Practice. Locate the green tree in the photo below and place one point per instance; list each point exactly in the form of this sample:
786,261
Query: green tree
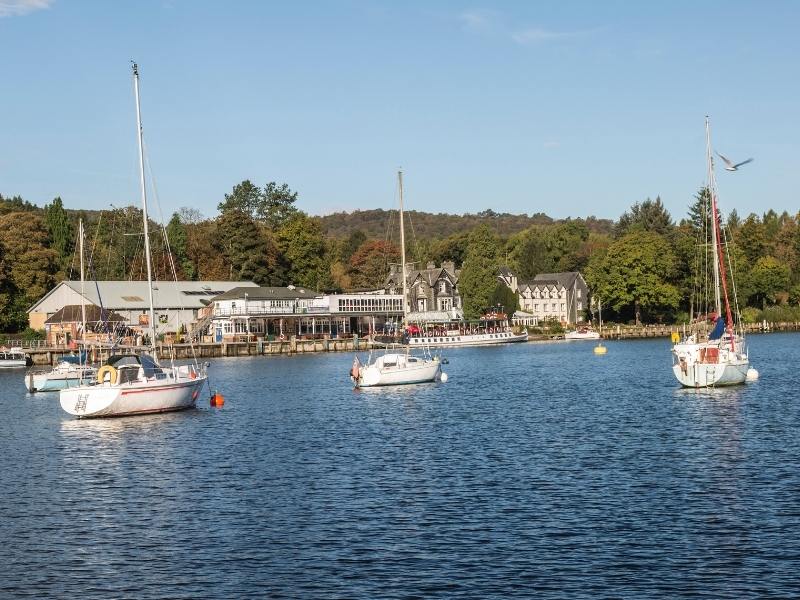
478,278
768,277
29,265
302,245
504,296
245,198
61,232
178,241
650,215
634,276
752,238
277,205
250,253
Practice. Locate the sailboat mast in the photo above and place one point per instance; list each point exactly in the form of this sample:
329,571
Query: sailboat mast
83,278
144,208
403,247
714,236
719,264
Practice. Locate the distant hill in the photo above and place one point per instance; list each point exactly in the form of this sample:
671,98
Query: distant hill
436,226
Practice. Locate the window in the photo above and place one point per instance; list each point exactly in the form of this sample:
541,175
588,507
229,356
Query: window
545,306
580,305
563,306
442,287
536,308
579,292
555,307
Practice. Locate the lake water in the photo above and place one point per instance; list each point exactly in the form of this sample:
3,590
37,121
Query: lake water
537,470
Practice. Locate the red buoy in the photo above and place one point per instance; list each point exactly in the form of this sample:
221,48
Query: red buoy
217,399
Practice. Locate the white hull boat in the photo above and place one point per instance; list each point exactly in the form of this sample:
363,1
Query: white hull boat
475,339
719,357
709,364
395,368
13,358
134,385
582,334
63,375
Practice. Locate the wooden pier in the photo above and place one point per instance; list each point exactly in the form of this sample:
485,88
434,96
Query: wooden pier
44,355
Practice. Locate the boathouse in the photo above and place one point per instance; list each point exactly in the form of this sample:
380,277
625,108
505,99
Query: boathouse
177,303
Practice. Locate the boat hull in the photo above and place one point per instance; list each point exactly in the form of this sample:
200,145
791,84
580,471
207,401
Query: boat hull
477,339
139,398
43,382
709,365
400,374
578,335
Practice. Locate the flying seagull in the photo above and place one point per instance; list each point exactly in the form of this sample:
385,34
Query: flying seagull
733,167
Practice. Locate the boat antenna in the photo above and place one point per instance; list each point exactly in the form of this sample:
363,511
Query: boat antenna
144,207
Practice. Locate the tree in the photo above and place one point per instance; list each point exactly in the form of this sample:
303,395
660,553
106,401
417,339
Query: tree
634,275
752,238
504,296
369,265
176,234
478,277
302,245
277,205
648,216
768,277
61,232
245,198
249,253
28,264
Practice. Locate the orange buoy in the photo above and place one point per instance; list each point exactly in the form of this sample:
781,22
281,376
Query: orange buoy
217,399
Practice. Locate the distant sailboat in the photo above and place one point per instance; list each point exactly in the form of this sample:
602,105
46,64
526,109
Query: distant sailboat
69,370
136,384
718,358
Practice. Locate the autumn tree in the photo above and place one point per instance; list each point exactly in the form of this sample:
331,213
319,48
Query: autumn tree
369,265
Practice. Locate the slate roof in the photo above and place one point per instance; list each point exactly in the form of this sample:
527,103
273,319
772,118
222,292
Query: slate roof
72,314
132,295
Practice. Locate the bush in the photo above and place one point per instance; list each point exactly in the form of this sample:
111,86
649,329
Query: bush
30,335
751,315
780,314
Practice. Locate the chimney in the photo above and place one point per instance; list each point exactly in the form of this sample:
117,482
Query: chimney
449,266
431,265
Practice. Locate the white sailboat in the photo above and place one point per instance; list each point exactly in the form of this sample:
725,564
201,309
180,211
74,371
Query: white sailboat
69,370
720,357
137,384
398,366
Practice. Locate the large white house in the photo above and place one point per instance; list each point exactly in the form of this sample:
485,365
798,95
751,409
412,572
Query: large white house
176,302
560,297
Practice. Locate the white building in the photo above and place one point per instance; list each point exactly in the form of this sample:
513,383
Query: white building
562,297
176,302
272,312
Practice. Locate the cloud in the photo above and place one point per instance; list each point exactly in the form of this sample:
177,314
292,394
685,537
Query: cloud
478,20
538,35
18,8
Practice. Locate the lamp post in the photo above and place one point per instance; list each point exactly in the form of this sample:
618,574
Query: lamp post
247,316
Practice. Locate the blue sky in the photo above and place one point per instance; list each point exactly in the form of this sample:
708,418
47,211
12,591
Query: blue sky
567,108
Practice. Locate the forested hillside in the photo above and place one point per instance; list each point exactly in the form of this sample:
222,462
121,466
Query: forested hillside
641,265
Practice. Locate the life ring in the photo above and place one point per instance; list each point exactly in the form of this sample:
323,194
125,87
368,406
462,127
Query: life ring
282,337
112,373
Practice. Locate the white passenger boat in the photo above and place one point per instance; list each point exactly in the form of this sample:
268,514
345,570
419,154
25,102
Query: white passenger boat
718,357
12,358
136,384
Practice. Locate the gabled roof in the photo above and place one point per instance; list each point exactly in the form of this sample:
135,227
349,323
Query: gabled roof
132,295
566,279
94,314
